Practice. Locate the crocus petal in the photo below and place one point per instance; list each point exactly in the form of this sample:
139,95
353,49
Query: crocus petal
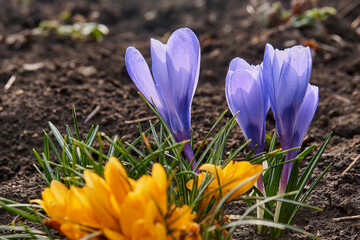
306,114
113,235
239,63
59,190
183,64
115,175
159,174
139,73
159,70
270,80
244,94
98,193
132,210
211,168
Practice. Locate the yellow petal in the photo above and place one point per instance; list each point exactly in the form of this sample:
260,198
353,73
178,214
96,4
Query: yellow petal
78,209
95,181
159,174
160,231
132,209
143,230
150,212
37,201
215,171
113,235
75,231
99,194
190,184
182,224
208,167
54,199
242,172
59,191
115,176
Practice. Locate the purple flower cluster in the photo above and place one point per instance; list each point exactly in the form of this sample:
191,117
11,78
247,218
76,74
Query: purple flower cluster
281,81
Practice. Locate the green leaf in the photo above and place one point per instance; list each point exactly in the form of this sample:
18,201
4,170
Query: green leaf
77,132
19,212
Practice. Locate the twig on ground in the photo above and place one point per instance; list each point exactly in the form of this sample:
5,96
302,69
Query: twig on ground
348,218
234,217
140,120
92,114
341,98
350,6
350,166
356,22
10,83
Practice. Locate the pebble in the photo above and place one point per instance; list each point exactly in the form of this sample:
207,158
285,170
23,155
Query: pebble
87,71
33,66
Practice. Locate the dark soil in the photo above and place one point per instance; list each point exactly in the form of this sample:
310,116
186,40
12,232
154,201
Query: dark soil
225,31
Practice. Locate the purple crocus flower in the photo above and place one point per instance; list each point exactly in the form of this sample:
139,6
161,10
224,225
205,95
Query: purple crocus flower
246,96
175,68
293,100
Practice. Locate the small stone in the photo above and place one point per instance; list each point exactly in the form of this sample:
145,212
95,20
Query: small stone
35,135
289,43
215,53
19,92
18,40
33,66
87,71
151,15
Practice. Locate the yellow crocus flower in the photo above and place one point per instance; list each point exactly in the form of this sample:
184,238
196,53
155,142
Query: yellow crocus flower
119,207
231,176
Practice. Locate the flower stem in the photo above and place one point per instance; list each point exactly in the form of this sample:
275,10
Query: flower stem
190,156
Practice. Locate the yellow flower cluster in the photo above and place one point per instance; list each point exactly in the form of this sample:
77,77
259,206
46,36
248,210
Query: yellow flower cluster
235,174
118,207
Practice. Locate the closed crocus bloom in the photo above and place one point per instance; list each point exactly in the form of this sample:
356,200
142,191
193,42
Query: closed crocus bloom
171,87
293,100
246,97
286,76
232,175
